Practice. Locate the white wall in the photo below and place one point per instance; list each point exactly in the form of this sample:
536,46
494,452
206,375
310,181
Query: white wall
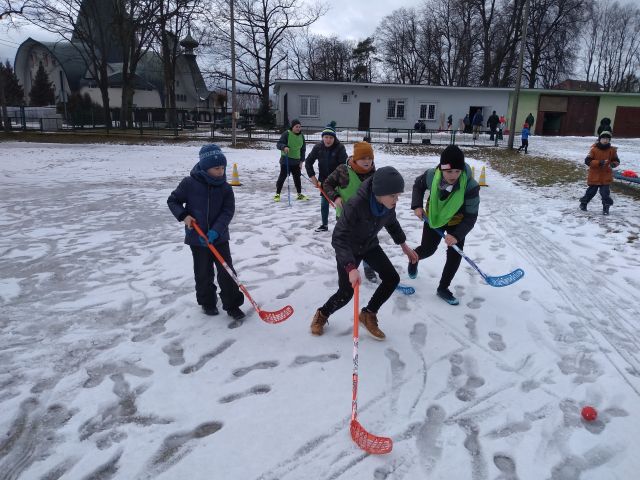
448,100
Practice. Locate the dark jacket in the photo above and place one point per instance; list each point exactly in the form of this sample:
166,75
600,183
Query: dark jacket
493,121
212,206
328,159
356,231
283,142
601,175
477,119
465,218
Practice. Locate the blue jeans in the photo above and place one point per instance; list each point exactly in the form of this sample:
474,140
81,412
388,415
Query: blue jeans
324,210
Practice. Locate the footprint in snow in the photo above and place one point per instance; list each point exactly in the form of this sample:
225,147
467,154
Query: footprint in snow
256,390
304,359
525,295
476,303
241,372
496,344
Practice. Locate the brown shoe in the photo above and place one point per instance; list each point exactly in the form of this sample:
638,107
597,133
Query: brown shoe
318,322
370,321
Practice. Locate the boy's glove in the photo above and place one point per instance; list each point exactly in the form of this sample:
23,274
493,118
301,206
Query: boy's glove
212,236
602,162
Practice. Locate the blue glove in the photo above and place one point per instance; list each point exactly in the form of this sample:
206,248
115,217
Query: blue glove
212,235
602,162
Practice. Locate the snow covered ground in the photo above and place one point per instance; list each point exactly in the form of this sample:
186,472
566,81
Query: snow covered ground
110,371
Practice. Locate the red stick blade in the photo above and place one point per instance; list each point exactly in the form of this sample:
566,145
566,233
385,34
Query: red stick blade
277,316
368,442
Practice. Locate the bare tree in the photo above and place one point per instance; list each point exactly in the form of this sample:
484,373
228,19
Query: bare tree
134,23
261,30
174,18
10,8
87,25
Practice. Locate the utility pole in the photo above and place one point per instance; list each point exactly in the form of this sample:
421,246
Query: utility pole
516,95
233,77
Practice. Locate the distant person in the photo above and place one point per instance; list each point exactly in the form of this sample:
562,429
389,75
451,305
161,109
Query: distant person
601,159
423,126
524,138
467,123
205,197
493,123
329,153
416,126
530,121
449,122
292,146
605,124
476,122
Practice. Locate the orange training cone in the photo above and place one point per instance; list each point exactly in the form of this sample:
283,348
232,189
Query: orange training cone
483,179
235,178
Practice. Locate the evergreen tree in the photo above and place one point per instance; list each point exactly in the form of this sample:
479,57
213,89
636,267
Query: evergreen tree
363,58
13,91
42,93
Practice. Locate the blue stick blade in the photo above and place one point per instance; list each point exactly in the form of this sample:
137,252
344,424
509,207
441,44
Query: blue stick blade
405,289
507,279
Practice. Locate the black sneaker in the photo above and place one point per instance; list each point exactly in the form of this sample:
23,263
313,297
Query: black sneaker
236,313
605,209
322,228
210,310
370,274
447,296
583,207
412,269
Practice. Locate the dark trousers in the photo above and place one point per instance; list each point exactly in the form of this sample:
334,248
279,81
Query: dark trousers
429,245
203,271
493,132
324,210
605,193
389,279
295,172
525,145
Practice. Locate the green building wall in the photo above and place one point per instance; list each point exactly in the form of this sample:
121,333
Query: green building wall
528,103
609,103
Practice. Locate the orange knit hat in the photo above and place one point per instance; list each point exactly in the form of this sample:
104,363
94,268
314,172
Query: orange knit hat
362,150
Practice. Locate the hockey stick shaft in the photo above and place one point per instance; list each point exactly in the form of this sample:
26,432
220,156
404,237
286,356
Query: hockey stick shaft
324,194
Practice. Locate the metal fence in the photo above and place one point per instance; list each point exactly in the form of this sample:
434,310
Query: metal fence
152,122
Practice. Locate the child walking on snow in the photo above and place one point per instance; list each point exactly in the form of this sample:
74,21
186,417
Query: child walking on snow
452,206
601,159
355,238
524,136
293,148
207,198
345,180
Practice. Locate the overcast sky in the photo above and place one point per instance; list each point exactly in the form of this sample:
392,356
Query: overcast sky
352,20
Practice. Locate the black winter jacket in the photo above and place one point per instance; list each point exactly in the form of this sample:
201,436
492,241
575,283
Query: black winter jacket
328,159
356,231
212,206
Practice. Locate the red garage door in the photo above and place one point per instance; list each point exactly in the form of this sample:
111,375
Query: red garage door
627,122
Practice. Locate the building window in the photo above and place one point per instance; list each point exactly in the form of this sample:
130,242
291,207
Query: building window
427,111
308,106
345,98
395,109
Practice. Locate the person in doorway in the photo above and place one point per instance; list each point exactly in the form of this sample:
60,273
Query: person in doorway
449,122
329,153
476,122
205,197
524,138
493,123
601,159
344,182
355,238
452,206
467,123
530,121
292,147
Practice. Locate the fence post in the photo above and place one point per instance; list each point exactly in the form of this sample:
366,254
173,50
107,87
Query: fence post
453,137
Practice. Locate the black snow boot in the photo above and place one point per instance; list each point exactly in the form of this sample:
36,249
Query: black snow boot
605,209
583,206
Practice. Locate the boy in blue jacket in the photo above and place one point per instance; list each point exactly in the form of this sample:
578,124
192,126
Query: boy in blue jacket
207,198
524,136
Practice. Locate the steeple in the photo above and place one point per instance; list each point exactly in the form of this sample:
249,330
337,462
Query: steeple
189,43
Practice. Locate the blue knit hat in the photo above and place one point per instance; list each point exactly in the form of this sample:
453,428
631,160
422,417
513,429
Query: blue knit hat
330,129
211,156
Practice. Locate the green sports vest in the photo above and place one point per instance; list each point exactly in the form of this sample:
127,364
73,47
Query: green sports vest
442,211
349,191
294,142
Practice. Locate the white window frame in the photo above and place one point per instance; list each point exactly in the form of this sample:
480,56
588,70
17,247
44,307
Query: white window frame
306,106
345,94
427,117
396,103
